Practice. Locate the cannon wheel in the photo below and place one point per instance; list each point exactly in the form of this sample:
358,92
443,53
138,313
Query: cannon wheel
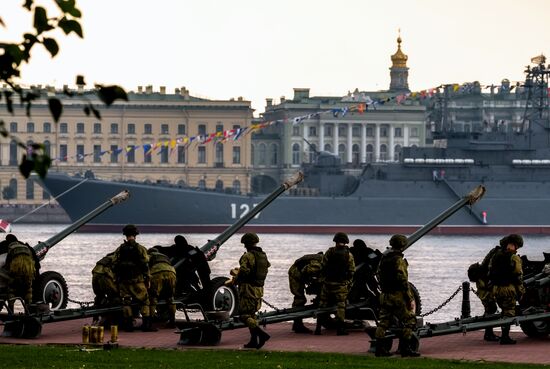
221,297
536,328
52,288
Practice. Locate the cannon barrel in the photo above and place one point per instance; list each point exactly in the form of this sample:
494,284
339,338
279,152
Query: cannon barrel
471,198
43,247
211,247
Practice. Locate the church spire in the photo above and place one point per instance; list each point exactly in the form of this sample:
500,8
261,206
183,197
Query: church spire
399,73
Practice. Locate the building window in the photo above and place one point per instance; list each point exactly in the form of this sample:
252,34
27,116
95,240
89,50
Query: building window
47,127
328,148
114,128
342,152
181,129
30,127
355,154
219,128
342,129
296,154
311,155
383,131
370,132
80,128
13,152
164,129
219,185
201,157
63,128
164,154
202,129
313,131
329,130
114,153
274,154
383,152
97,153
80,153
13,127
63,152
237,186
414,132
13,187
148,129
296,131
370,156
131,154
236,155
397,153
202,184
97,128
219,154
236,126
147,156
30,189
262,153
356,131
181,154
131,129
398,132
48,148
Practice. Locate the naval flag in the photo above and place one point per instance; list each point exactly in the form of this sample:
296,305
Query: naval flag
5,226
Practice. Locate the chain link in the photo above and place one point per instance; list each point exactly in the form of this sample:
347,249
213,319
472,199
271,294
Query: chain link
270,305
81,303
443,303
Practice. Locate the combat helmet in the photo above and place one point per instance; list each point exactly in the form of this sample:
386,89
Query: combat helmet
341,237
516,239
130,230
250,239
398,241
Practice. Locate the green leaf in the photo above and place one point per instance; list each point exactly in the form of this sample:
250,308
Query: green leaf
69,7
80,81
67,92
108,94
56,108
51,45
28,4
9,101
69,25
2,23
26,166
41,20
42,163
96,112
87,111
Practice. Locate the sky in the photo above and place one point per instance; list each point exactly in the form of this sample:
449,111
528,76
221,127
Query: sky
222,49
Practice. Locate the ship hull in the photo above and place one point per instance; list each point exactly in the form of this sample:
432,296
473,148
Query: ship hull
376,207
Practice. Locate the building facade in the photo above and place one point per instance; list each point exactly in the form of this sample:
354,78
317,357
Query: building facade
145,139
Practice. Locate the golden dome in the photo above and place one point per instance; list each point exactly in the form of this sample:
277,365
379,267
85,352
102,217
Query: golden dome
399,59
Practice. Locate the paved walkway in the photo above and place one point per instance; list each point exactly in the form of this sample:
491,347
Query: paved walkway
468,347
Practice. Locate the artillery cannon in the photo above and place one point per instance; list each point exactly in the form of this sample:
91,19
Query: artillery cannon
50,287
213,294
537,296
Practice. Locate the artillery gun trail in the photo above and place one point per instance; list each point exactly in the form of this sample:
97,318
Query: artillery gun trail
50,287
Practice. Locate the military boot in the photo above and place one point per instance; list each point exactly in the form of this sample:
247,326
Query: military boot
299,327
381,350
253,343
490,336
147,325
406,349
506,339
263,337
341,329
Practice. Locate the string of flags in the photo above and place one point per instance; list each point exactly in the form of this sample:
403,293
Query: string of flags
363,104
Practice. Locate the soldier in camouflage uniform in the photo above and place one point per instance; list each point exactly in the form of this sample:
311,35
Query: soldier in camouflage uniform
337,269
22,266
163,284
506,277
131,267
250,278
305,271
396,299
104,282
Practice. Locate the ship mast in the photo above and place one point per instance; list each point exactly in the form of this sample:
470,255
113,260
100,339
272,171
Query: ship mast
536,105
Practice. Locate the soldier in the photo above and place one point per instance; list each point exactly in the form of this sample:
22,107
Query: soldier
163,284
104,282
479,273
23,268
366,265
506,276
250,278
131,267
337,269
396,299
305,271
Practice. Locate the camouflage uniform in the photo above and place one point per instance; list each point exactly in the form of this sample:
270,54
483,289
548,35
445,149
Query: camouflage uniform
21,268
305,270
396,299
163,283
132,272
103,282
337,269
506,276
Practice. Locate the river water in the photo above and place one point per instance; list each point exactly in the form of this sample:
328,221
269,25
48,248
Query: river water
437,264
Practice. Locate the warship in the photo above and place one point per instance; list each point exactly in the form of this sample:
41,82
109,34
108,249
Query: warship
512,161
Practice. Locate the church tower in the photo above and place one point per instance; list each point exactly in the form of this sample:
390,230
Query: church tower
399,73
